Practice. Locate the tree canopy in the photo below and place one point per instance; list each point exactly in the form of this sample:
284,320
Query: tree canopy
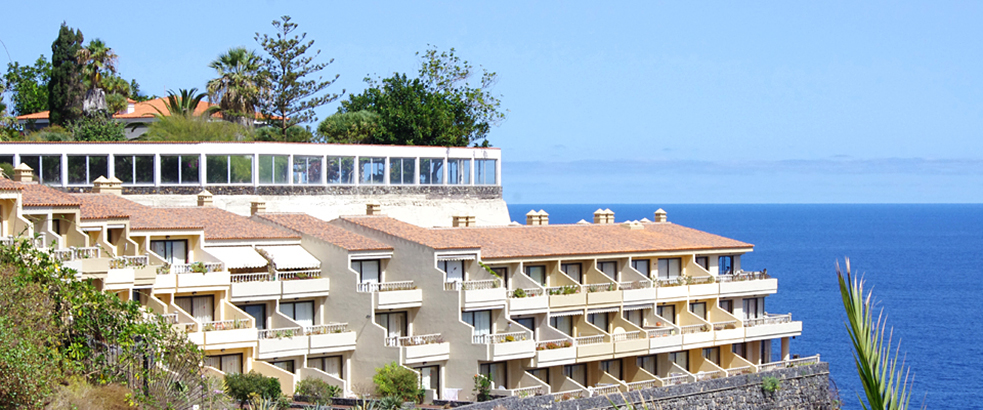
65,89
238,85
28,85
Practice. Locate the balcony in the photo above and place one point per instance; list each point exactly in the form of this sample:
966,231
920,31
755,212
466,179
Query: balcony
283,342
771,327
781,364
593,347
728,331
507,346
330,338
479,294
603,294
569,296
123,272
630,343
423,348
664,339
702,287
528,301
747,283
305,283
231,333
637,292
696,335
555,352
393,295
279,284
670,290
193,277
85,260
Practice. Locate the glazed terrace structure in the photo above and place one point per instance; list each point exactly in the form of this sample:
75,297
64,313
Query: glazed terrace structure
568,310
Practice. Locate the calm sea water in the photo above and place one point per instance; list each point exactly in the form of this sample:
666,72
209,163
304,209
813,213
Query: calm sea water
924,263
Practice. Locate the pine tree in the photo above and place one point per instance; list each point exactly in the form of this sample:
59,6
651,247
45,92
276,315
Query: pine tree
65,89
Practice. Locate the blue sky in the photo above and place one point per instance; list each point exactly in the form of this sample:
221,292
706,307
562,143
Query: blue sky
646,102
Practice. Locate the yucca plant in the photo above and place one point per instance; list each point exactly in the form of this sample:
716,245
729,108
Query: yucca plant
885,380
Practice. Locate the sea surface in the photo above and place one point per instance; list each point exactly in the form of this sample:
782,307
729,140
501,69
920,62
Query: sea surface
924,264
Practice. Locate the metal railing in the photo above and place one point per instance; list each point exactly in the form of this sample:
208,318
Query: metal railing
603,390
589,340
385,286
713,374
287,332
252,277
601,287
528,293
325,329
789,363
297,274
621,337
693,329
197,267
122,262
675,378
227,325
499,338
724,325
644,384
420,340
473,285
769,319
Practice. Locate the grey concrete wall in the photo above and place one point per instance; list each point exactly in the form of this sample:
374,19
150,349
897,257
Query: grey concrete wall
802,387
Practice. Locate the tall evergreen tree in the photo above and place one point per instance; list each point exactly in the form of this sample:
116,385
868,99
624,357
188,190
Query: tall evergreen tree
65,89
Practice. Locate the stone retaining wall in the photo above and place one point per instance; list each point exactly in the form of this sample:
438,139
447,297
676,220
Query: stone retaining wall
802,387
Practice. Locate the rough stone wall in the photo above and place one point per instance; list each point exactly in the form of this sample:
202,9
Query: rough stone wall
802,387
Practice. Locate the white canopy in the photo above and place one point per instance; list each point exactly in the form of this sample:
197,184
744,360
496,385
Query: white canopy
567,313
238,257
636,307
291,257
602,310
468,257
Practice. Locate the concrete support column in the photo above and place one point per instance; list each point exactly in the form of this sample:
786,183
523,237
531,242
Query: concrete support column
785,348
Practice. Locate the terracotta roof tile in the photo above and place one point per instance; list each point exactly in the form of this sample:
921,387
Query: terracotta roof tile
217,223
324,231
108,206
145,109
42,195
8,185
554,240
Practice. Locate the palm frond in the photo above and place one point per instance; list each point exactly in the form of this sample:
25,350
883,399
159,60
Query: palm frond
883,373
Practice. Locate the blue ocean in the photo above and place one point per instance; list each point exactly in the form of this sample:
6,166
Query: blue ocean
923,262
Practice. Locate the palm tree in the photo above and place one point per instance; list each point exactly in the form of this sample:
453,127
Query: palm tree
237,87
885,383
184,104
96,60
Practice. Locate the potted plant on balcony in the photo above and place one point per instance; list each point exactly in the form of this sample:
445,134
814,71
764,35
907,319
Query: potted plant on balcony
519,293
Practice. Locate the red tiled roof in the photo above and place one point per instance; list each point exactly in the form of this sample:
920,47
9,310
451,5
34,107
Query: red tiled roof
8,185
145,109
318,228
108,206
554,240
43,195
217,223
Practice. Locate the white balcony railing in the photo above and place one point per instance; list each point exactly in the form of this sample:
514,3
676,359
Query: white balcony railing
569,394
385,286
621,337
395,341
473,285
675,378
281,333
527,391
634,285
603,390
724,325
297,274
710,375
197,267
526,293
740,370
252,277
589,340
789,363
693,329
170,318
326,329
601,287
227,325
768,319
644,384
74,253
741,276
563,290
659,332
40,240
554,344
122,262
499,338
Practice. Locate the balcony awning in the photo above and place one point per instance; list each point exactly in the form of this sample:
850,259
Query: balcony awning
469,257
636,307
238,257
567,313
602,310
291,257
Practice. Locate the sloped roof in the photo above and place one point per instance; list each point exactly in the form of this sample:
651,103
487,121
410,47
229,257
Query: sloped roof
309,225
43,195
217,223
554,240
8,185
107,206
145,109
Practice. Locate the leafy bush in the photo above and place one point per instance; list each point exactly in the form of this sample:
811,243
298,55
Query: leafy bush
317,391
771,384
97,127
241,387
396,380
482,387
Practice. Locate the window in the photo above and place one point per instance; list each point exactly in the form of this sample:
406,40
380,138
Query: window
258,312
699,309
432,171
574,271
502,273
47,168
340,170
458,171
739,349
172,251
300,312
634,316
754,308
274,169
667,312
612,367
480,320
394,323
454,270
725,265
642,266
609,268
287,365
680,358
179,169
601,320
669,268
497,372
727,304
331,365
484,172
537,273
229,169
648,363
712,354
307,170
429,377
134,169
527,322
227,363
703,261
563,324
401,170
577,372
83,169
7,159
202,308
368,271
371,170
541,374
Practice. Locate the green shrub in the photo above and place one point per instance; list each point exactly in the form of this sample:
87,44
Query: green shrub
396,380
242,386
771,384
317,391
482,387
